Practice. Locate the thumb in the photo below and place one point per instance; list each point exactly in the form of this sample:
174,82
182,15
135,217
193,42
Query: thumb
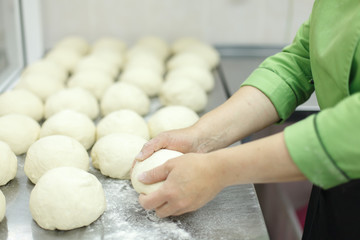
154,175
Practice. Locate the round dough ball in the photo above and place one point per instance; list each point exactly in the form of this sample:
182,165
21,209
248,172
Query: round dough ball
94,62
207,52
74,43
183,91
146,79
94,81
110,57
156,159
21,101
156,43
125,96
181,44
114,154
65,57
109,44
49,68
2,206
123,121
170,118
77,99
8,163
66,198
200,75
70,123
139,50
52,152
185,59
41,85
146,60
19,132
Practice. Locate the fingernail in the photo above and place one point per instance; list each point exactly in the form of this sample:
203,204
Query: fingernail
139,156
142,177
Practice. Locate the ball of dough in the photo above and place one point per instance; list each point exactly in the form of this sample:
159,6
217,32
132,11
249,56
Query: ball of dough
170,118
146,60
156,159
21,101
42,86
146,79
207,52
125,96
66,198
49,68
65,57
94,62
186,59
77,99
52,152
201,76
2,206
74,43
111,57
158,44
181,44
94,81
19,132
123,121
70,123
183,91
109,44
8,163
140,50
114,154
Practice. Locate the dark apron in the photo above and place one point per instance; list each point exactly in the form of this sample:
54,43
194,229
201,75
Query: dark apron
334,213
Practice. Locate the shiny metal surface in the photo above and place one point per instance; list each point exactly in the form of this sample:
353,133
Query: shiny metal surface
233,214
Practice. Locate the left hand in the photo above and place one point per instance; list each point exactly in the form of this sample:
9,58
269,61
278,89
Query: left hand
191,181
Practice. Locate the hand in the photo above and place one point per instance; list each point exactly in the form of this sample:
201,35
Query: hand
191,181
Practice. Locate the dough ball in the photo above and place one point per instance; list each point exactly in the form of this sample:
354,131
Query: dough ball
114,154
52,152
65,57
181,44
123,121
8,163
183,91
109,44
156,159
70,123
146,79
156,43
207,52
125,96
139,50
94,81
170,118
48,68
21,101
110,57
2,206
186,59
66,198
19,132
94,62
74,43
41,85
77,99
146,60
201,76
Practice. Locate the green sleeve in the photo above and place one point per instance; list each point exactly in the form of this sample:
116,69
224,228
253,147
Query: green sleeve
326,146
285,78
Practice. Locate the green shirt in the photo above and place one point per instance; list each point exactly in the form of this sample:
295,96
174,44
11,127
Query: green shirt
325,57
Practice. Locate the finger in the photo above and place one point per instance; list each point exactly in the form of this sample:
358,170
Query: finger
152,201
165,210
151,146
155,175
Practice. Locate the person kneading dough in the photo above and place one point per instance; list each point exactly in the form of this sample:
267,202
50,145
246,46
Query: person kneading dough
66,198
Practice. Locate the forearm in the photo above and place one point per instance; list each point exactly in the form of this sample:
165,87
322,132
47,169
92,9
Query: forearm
261,161
246,112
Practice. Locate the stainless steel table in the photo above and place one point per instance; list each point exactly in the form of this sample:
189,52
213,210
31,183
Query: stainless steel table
234,214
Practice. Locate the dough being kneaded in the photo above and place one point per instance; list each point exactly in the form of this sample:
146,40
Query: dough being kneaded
66,198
